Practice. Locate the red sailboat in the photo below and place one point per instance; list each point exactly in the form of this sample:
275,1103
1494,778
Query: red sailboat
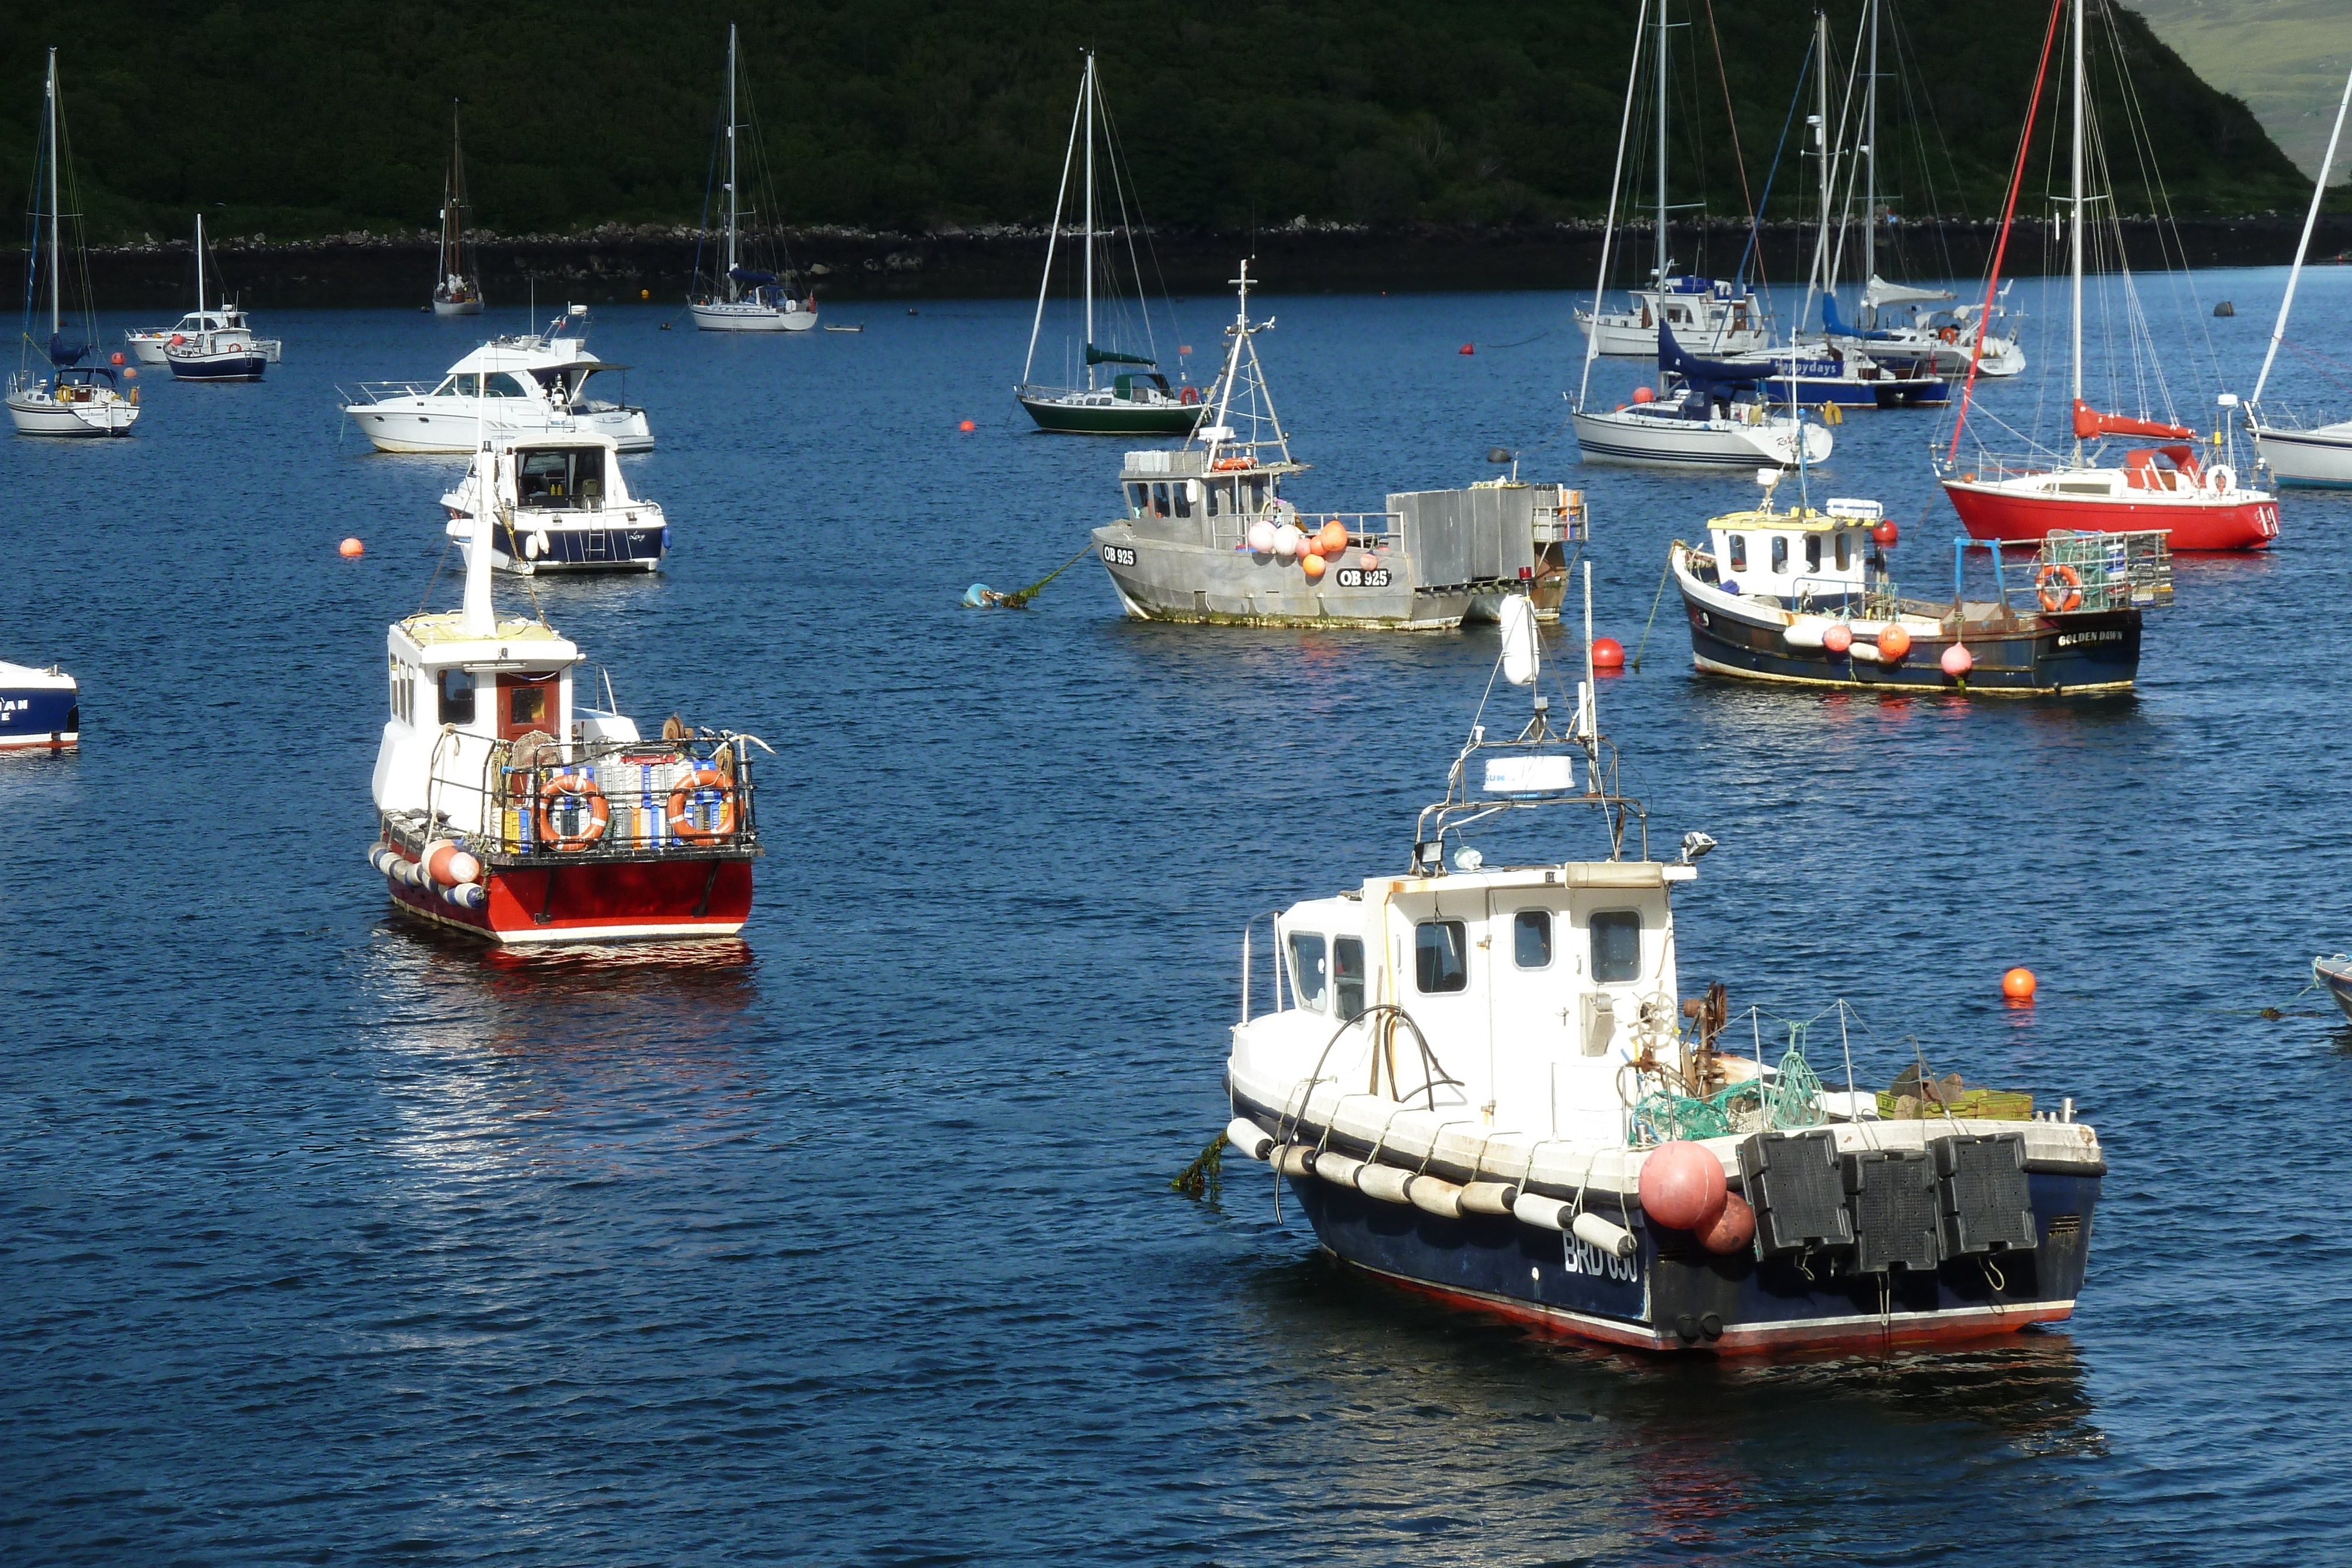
2200,503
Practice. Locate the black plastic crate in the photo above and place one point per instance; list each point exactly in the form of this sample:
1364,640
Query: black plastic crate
1983,1202
1893,1196
1792,1182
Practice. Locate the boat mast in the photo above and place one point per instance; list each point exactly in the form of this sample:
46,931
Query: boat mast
1870,163
453,216
1090,220
200,261
731,162
1662,258
2078,164
1821,262
2319,189
1061,198
1616,181
56,204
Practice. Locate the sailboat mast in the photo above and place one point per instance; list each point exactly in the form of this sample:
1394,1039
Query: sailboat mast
57,205
2318,191
1662,258
1054,235
1616,183
1870,163
2077,237
731,262
1090,221
200,261
1821,263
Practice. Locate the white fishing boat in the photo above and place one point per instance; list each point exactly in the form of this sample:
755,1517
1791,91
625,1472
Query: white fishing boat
532,384
458,291
745,299
2297,450
52,392
558,504
1712,315
1133,396
1481,1080
230,351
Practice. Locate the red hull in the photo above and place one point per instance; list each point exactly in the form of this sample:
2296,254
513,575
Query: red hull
2009,518
600,901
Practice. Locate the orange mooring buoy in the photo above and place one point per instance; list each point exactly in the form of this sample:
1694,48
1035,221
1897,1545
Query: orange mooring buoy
1608,653
351,548
967,427
2018,985
1468,349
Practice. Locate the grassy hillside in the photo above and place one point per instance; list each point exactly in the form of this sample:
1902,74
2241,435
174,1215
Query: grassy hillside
296,119
2286,58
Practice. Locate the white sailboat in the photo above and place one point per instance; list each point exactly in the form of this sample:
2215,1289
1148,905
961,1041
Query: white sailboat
1708,315
57,394
459,290
1695,426
745,299
2296,453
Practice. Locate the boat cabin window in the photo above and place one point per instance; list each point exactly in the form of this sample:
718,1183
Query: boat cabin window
506,385
1136,495
1845,550
1739,543
1616,947
1217,500
403,694
1781,554
456,697
1346,977
1183,498
1531,939
1441,961
1160,499
560,477
1306,978
451,388
1813,552
1256,489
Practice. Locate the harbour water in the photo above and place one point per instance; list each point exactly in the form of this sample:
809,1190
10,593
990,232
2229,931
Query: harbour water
324,1239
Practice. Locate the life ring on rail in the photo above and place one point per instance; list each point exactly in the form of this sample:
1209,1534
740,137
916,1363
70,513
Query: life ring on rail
572,787
2221,479
703,778
1949,335
2057,599
1190,395
1231,465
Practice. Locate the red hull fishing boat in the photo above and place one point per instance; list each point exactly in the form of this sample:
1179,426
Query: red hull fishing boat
2198,502
511,811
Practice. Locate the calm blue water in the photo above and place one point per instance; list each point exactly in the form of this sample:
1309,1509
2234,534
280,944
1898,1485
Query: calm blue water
325,1241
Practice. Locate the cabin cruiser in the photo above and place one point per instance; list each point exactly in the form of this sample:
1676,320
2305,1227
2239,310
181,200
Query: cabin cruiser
1807,596
39,709
559,502
151,348
1207,536
526,385
1481,1079
512,807
208,344
1941,342
1710,313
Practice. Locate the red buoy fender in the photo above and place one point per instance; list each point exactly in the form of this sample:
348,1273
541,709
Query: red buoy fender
1682,1186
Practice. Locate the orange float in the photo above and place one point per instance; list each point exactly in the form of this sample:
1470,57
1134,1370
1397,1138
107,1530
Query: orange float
1894,641
1312,565
2018,985
1682,1186
1334,537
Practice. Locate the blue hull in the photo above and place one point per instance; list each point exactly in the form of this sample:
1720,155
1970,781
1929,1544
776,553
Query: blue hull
244,368
39,718
1672,1295
587,549
1888,392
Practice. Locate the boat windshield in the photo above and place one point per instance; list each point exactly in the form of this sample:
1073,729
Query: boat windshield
550,478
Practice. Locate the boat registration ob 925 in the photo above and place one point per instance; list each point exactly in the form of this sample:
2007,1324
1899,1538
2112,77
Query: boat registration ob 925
511,811
1479,1083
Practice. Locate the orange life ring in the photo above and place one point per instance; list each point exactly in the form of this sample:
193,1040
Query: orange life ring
681,804
1229,465
1190,394
571,787
2057,600
1949,335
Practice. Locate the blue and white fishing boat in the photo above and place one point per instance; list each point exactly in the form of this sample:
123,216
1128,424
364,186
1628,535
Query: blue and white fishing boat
1481,1082
222,346
52,392
39,709
558,503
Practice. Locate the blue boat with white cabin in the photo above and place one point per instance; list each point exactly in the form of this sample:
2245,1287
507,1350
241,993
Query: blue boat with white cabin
39,709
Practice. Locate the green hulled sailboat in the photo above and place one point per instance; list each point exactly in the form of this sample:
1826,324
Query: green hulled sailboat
1124,393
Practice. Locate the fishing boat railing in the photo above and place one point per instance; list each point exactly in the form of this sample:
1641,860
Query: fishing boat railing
1366,530
606,799
2101,571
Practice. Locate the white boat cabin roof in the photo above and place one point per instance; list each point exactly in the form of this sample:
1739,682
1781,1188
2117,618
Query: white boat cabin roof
1805,551
440,641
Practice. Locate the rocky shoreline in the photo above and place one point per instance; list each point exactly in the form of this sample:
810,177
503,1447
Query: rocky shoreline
617,263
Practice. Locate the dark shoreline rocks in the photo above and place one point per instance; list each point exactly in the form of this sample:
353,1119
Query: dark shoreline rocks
617,263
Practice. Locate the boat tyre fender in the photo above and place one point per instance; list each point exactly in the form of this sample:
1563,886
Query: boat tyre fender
681,803
2059,587
2221,479
574,786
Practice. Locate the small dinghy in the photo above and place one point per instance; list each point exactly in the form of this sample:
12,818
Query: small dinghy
512,810
559,502
39,709
2333,976
1481,1081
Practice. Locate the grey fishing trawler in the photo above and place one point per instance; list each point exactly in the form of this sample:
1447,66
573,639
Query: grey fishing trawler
1208,537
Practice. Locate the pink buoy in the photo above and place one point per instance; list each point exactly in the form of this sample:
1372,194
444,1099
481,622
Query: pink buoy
464,868
1733,1228
1838,638
1682,1186
438,856
1958,660
1366,560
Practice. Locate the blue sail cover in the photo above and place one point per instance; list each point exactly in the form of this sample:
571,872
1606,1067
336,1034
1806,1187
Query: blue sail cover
1836,328
64,350
748,274
1718,377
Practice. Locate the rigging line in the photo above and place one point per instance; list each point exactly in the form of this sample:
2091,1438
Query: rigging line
1731,116
1609,229
1773,174
2009,213
1053,236
2167,225
2319,193
1126,227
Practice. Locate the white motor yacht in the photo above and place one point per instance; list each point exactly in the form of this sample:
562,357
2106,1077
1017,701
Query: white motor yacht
533,384
559,502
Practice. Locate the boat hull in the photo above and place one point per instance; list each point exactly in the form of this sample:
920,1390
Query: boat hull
2335,975
390,427
2320,458
2091,650
596,901
43,416
1995,512
750,319
40,714
1671,1292
1114,417
575,549
1190,584
227,366
1719,444
147,347
457,307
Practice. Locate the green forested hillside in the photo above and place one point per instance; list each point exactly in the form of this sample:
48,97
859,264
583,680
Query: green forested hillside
297,119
